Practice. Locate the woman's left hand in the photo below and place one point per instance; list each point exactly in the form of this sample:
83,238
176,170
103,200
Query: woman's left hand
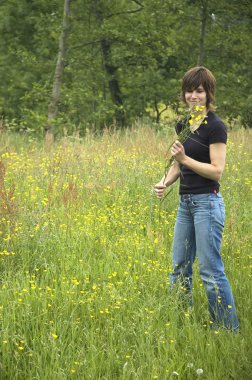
178,152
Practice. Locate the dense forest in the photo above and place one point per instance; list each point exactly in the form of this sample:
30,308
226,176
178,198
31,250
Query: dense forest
77,64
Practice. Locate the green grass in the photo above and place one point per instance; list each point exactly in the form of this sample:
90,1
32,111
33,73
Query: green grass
85,259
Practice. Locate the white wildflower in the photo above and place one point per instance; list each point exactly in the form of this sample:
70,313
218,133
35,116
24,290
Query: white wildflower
189,365
175,373
199,371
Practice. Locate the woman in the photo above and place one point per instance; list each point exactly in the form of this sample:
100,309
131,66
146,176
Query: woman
199,163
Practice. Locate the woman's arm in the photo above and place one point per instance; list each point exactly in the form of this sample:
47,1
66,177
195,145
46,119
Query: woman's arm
171,177
213,170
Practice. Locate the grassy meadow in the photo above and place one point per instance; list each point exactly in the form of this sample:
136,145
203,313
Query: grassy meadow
85,258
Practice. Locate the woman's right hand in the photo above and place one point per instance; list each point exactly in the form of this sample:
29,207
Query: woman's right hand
159,189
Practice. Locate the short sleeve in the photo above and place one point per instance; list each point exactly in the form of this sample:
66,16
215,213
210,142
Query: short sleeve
218,133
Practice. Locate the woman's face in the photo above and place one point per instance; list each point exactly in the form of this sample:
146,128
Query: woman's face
197,97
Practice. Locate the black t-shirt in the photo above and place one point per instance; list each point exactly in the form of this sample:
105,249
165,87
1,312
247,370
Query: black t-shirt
197,147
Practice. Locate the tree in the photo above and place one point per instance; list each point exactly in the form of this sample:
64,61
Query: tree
203,20
125,60
53,106
110,68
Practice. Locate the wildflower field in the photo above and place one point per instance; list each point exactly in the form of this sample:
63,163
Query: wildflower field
85,258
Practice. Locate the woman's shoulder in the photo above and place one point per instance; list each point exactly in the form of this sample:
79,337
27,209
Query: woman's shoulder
214,120
217,130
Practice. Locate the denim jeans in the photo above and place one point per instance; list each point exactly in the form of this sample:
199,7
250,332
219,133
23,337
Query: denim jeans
198,232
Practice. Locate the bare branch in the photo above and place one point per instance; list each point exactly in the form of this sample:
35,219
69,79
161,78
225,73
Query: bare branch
128,12
123,13
138,3
164,109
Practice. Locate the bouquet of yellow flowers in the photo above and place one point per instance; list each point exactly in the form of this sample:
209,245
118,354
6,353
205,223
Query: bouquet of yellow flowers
193,118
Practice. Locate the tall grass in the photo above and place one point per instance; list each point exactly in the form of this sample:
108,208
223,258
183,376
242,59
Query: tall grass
85,258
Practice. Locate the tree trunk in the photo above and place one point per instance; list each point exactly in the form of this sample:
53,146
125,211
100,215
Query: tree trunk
53,106
114,87
110,69
203,20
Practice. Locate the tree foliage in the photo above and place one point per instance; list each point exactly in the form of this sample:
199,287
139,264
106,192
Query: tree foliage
123,59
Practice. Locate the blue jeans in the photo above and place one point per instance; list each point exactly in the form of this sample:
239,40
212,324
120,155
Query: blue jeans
198,232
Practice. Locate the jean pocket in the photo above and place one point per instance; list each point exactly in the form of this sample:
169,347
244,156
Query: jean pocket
218,212
203,204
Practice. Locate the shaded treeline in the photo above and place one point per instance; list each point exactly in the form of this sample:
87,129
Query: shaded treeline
96,63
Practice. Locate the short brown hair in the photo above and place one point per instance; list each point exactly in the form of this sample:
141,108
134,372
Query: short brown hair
200,76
